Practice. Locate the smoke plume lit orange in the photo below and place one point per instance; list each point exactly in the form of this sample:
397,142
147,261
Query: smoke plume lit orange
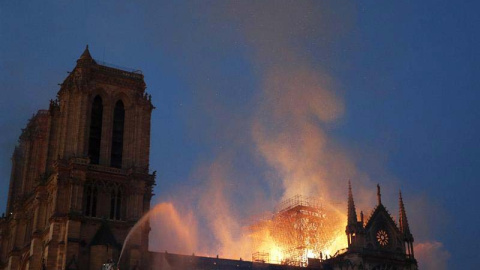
171,230
288,130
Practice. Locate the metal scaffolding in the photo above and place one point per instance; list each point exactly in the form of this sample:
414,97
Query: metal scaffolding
300,229
261,257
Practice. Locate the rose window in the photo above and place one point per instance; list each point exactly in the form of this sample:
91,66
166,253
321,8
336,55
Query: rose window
382,237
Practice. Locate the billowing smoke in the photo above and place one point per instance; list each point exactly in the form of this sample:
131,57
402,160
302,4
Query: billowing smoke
285,129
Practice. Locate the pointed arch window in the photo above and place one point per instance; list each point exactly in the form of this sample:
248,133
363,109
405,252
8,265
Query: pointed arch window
116,203
117,135
91,193
95,130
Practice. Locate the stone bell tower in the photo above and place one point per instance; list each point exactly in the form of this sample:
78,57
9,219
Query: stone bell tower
80,175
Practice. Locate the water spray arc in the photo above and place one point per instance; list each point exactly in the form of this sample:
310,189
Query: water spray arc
164,217
141,221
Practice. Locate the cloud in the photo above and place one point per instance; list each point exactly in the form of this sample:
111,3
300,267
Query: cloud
431,255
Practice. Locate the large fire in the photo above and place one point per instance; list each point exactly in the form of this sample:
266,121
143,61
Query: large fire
301,228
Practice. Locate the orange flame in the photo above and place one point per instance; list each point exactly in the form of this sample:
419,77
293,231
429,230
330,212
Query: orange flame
300,231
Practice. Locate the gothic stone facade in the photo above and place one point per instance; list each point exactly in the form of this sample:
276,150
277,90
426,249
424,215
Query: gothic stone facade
377,244
80,175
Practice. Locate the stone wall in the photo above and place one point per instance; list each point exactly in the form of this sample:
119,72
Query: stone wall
46,224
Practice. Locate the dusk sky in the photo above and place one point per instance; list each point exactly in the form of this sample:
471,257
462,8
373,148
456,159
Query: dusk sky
258,101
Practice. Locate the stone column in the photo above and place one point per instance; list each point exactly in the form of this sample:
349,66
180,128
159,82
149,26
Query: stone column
51,251
36,247
14,261
73,239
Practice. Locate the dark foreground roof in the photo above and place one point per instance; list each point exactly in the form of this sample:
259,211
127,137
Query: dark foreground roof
165,260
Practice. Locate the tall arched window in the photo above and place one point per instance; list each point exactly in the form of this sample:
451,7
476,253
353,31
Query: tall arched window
116,203
90,198
95,130
117,135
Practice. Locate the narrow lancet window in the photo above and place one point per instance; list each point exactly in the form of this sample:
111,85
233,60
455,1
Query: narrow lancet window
90,197
88,200
113,197
94,202
117,135
95,130
116,204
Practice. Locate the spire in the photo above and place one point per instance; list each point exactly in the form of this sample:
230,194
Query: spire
404,228
86,54
85,59
379,196
402,220
352,214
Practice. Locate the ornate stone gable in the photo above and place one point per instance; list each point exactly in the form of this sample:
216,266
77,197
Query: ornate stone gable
382,232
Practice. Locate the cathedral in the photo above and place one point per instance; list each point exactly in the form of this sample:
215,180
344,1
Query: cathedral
375,244
80,181
80,175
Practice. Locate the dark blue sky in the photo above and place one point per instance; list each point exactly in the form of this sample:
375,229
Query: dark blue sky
406,72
